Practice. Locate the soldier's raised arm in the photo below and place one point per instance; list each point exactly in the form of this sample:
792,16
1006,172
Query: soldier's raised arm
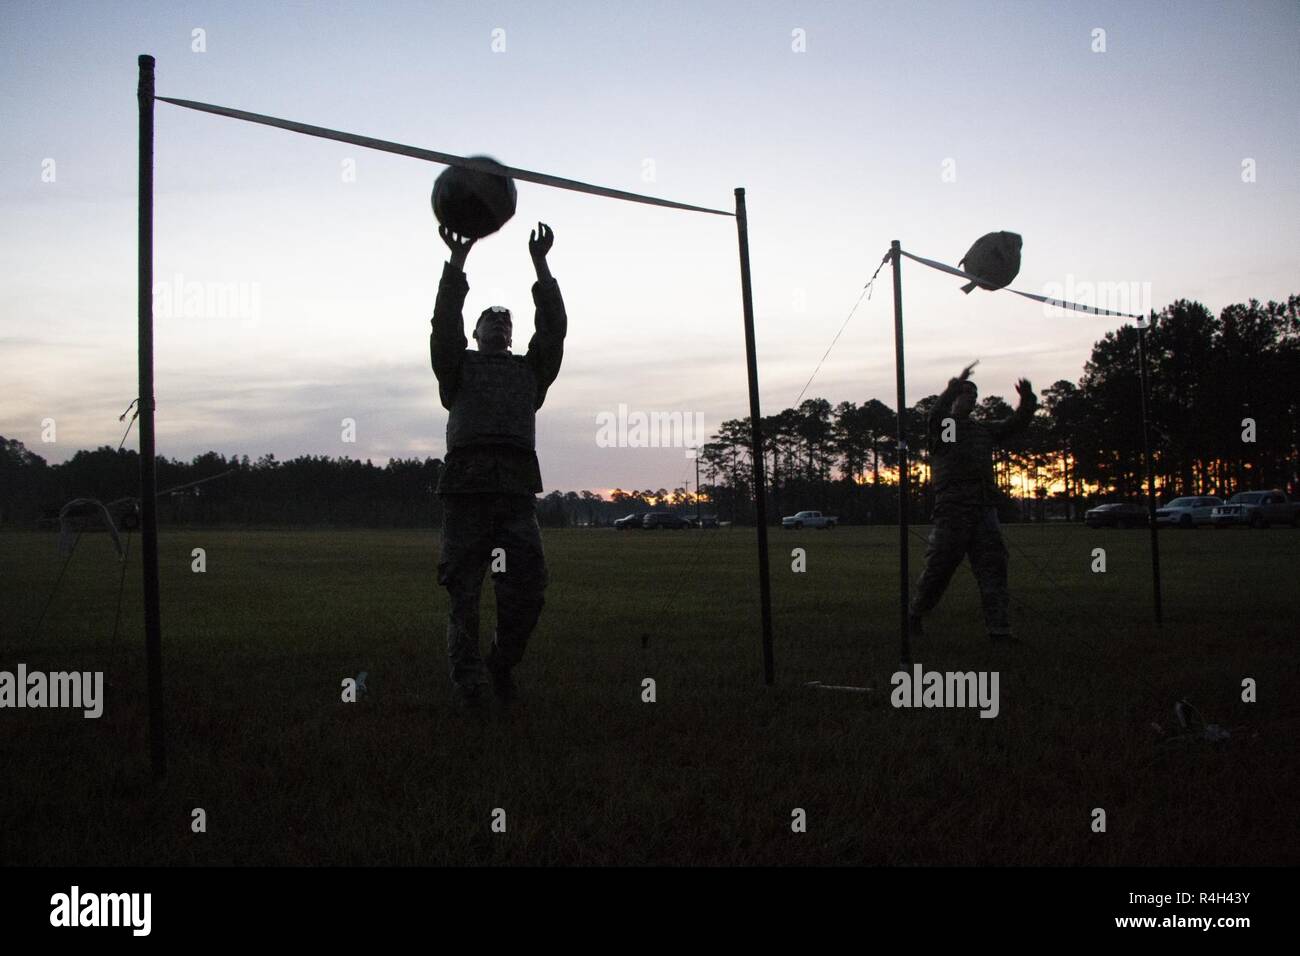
447,342
546,347
1019,419
943,404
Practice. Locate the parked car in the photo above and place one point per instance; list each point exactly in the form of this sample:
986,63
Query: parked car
658,520
1257,509
809,519
1188,512
629,522
704,521
1116,514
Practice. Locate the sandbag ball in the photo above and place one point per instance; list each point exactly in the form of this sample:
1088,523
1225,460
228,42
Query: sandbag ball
471,202
995,258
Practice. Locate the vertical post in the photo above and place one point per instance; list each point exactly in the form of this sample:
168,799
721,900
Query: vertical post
756,438
148,473
1151,480
904,492
697,487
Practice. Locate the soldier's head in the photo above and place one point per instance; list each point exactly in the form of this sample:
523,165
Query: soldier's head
964,403
493,330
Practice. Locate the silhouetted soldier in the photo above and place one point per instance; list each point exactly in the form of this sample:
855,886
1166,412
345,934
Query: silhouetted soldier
491,474
965,511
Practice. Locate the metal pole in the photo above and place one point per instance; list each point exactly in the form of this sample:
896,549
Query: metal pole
905,642
148,473
697,487
756,438
1151,480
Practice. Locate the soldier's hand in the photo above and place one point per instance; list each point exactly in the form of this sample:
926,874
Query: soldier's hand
1025,391
540,241
458,244
965,373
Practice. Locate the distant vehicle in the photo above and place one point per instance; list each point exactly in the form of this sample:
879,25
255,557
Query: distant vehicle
1257,509
629,522
1188,512
703,521
658,520
809,519
1116,514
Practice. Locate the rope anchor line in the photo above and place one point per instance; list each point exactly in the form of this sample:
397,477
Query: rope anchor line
951,270
866,292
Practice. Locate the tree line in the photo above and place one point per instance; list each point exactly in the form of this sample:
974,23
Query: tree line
1222,414
1223,407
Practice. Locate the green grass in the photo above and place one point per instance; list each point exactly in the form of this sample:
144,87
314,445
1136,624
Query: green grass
256,647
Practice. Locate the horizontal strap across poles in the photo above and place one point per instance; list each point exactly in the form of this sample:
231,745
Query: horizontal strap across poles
1059,303
432,156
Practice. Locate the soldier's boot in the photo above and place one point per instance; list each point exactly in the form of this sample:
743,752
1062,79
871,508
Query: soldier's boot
997,617
517,616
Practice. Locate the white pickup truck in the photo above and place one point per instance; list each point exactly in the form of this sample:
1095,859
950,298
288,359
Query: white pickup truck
809,519
1257,509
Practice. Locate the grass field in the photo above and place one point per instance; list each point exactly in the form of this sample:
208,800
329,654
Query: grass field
255,649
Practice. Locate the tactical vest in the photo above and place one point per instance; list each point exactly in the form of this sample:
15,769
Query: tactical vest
962,470
496,403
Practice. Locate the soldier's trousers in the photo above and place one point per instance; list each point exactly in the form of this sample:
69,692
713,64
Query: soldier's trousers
474,526
971,533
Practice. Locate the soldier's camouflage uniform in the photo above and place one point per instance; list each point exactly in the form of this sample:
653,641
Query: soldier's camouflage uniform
491,474
965,513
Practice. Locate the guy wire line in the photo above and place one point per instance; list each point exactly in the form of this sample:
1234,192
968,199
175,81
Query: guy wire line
672,592
866,291
55,590
73,550
134,403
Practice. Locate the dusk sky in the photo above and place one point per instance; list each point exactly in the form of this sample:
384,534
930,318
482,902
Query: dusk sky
1166,163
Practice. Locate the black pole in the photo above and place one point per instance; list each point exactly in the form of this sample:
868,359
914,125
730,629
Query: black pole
905,642
148,472
756,438
697,487
1151,480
